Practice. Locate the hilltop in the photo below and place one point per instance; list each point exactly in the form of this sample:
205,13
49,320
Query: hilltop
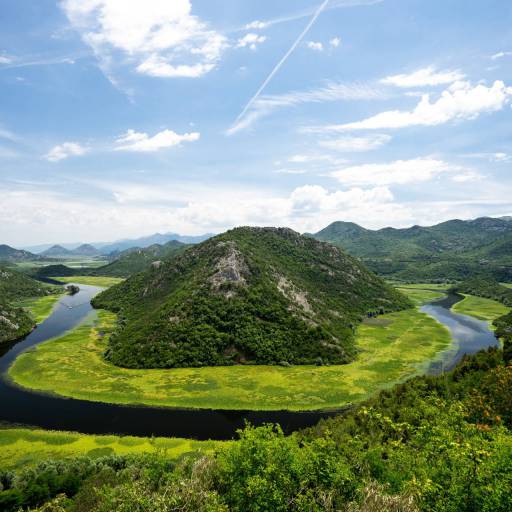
455,249
10,255
250,295
135,260
57,251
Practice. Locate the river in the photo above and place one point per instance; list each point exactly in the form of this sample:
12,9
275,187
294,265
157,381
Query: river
21,406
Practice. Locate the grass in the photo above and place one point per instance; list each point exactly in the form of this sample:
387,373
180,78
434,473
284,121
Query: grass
424,286
481,308
393,348
20,447
421,296
103,282
39,307
508,285
73,263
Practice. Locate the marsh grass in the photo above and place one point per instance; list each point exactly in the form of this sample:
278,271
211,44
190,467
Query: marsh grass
39,307
481,308
393,349
22,446
101,281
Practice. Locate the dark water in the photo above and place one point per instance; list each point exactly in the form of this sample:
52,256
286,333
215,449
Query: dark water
57,413
469,334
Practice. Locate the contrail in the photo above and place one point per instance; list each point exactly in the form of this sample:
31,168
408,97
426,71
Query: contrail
317,13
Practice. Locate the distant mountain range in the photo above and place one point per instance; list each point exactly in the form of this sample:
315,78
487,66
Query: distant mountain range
106,248
455,249
58,251
11,255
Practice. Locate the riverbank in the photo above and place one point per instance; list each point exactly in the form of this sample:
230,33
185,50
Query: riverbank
21,447
394,347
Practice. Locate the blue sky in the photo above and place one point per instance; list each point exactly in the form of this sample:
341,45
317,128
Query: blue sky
122,118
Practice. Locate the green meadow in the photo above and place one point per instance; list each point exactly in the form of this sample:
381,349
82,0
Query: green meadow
101,281
20,447
481,308
392,347
39,307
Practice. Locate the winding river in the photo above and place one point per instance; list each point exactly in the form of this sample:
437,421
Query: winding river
21,406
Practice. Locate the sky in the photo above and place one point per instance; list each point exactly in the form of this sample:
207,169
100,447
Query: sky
121,118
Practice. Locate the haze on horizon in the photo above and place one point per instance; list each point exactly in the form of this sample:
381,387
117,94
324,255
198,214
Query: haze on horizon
121,119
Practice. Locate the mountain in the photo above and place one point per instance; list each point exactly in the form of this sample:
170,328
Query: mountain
455,249
258,295
14,286
14,323
57,251
11,255
136,260
86,250
147,241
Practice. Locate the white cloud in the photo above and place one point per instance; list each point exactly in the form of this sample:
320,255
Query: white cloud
290,171
256,25
491,157
251,40
424,77
333,91
4,59
460,101
500,55
315,45
158,37
467,176
349,144
335,42
399,172
142,142
65,150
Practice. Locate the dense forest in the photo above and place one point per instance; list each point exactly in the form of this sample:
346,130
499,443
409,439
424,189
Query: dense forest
262,295
451,251
15,322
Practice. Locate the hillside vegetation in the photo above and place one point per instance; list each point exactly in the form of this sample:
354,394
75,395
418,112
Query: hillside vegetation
433,444
452,250
16,322
136,260
260,295
10,255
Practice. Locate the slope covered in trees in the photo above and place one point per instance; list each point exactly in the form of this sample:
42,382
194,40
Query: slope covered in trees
16,322
261,295
136,260
454,249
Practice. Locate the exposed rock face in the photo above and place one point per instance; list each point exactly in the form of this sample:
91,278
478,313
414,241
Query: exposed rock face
290,291
250,295
230,268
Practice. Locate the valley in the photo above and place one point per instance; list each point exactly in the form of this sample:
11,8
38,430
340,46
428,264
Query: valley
67,394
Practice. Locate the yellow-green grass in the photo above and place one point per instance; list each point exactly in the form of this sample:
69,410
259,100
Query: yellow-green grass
103,282
20,447
393,347
424,286
39,307
421,296
508,285
481,308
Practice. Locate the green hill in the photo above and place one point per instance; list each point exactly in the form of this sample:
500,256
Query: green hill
16,322
136,260
251,295
10,255
454,249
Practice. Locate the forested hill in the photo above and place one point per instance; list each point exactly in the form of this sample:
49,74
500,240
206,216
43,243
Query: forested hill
16,322
455,249
135,260
264,295
10,255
